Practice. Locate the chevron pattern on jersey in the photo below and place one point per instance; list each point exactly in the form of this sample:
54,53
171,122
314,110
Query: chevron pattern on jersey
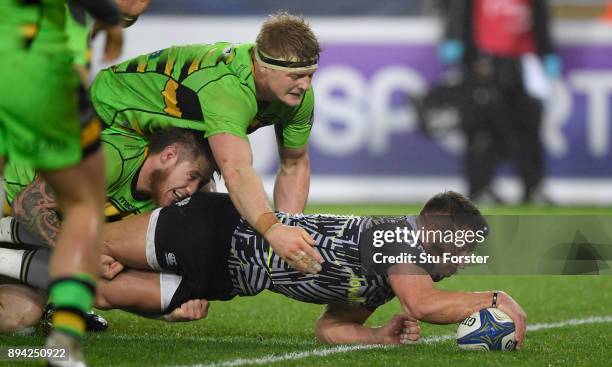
254,268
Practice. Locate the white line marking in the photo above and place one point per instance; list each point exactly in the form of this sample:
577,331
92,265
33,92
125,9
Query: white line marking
574,322
351,348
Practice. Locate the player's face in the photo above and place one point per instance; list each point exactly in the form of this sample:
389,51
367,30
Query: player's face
131,10
289,87
445,270
179,180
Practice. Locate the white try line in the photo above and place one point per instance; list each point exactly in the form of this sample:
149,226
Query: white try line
269,359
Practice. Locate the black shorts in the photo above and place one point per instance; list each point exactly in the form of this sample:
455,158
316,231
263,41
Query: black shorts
193,239
173,295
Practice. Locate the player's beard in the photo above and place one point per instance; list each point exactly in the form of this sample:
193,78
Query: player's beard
158,178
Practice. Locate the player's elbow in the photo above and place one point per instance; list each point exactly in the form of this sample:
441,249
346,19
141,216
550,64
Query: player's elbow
291,164
234,174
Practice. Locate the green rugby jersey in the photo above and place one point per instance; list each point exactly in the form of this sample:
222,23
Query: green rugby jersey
78,27
124,155
209,88
37,26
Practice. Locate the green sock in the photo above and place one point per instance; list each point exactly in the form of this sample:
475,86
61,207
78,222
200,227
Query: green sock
72,298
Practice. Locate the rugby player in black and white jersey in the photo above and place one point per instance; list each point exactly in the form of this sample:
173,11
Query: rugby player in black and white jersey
202,250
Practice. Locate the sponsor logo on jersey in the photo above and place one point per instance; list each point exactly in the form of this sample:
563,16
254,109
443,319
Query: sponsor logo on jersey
171,259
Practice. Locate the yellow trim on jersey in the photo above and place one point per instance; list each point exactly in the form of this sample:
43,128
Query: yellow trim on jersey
91,132
195,64
136,126
269,257
6,209
29,30
130,131
110,210
169,94
230,58
169,67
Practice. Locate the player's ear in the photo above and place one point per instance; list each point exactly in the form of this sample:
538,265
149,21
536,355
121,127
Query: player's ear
169,154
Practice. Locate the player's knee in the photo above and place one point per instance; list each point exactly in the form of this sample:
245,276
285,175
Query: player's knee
20,308
12,323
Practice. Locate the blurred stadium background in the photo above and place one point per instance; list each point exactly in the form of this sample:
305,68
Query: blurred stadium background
366,145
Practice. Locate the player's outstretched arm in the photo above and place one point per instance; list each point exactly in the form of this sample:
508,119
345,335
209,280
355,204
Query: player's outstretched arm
293,244
292,180
35,207
107,14
341,324
421,299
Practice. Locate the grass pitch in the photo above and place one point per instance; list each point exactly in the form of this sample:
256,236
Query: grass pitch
272,330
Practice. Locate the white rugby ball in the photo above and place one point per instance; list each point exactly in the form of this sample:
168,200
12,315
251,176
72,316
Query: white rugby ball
487,329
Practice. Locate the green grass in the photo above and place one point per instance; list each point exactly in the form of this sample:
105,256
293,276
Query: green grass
270,324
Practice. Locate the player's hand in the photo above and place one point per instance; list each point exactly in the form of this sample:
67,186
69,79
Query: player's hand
401,329
110,267
114,42
191,310
295,246
508,305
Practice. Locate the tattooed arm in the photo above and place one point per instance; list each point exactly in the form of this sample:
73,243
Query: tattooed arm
36,208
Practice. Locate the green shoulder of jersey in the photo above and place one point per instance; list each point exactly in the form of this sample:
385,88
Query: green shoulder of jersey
35,26
209,88
124,155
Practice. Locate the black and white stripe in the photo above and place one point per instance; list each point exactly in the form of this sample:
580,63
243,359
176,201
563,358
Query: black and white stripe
342,279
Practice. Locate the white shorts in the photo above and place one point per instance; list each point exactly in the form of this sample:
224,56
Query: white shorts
150,241
168,284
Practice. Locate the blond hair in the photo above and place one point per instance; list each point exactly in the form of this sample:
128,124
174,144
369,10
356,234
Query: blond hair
287,36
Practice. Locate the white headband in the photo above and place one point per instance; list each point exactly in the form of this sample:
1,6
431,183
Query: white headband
292,65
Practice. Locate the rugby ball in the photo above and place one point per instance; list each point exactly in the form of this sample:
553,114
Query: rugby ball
487,329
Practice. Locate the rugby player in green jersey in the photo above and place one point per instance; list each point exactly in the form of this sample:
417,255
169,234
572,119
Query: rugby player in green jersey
228,91
79,26
40,126
141,174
